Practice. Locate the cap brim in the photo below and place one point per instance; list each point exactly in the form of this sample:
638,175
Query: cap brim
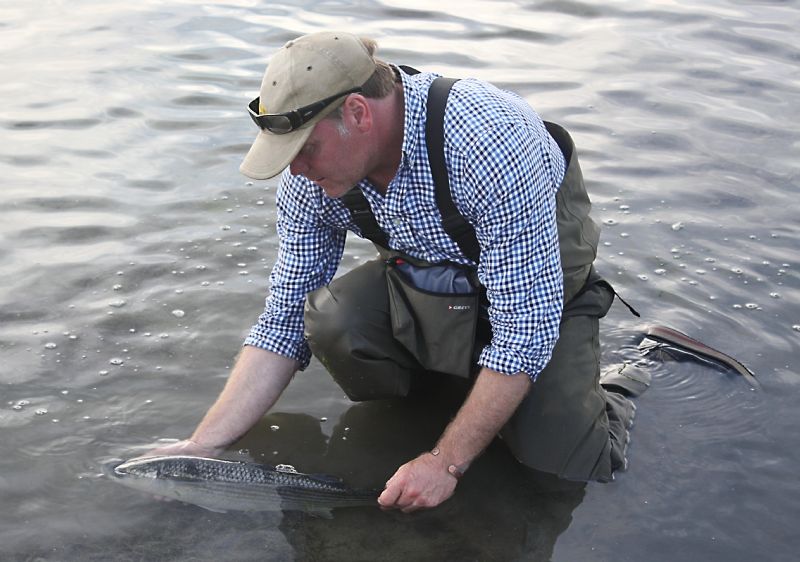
271,153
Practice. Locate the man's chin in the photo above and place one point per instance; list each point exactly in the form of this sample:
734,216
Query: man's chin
334,191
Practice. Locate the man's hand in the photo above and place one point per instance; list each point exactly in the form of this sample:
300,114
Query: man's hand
421,483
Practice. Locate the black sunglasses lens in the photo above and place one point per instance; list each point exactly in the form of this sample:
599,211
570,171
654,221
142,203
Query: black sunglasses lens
278,124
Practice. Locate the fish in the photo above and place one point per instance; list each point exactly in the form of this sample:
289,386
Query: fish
663,335
224,485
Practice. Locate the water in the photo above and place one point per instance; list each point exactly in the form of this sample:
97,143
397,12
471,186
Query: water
134,258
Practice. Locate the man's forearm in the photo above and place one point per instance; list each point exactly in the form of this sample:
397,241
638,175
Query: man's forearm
256,382
491,402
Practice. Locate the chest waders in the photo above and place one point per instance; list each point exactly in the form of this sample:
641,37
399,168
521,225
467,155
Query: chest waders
568,424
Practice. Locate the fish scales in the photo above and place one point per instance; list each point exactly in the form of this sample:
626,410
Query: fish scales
222,485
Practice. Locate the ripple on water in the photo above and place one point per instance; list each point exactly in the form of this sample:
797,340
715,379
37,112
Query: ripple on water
706,402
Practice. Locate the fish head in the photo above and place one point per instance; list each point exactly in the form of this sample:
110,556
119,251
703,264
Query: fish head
152,468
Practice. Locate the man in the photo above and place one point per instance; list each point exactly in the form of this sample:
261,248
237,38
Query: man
340,119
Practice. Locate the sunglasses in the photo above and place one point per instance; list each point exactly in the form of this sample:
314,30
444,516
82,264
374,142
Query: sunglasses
282,123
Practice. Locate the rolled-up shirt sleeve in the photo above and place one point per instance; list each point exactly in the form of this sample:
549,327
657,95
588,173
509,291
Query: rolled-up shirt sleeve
513,174
308,256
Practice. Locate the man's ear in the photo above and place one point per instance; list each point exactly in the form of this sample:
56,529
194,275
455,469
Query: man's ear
358,112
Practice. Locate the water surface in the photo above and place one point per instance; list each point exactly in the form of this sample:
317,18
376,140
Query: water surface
134,258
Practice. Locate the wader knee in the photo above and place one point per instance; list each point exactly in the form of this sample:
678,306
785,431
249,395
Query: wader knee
348,329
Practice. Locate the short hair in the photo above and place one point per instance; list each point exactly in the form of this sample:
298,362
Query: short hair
377,86
382,81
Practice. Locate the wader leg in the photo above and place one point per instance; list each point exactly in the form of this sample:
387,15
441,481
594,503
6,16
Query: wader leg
568,424
348,329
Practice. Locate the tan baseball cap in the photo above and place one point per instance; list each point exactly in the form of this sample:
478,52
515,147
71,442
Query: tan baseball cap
304,71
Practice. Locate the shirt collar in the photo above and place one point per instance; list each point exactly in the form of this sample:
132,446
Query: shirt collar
414,98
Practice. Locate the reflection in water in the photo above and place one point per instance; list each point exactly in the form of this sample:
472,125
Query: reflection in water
500,511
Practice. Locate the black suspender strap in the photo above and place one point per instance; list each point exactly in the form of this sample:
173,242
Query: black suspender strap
356,201
455,225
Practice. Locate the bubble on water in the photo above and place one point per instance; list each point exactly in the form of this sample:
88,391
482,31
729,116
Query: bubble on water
623,234
116,361
205,284
692,282
103,373
73,337
796,327
242,231
624,207
118,303
736,270
244,451
737,306
710,260
117,287
252,249
609,222
712,297
260,202
225,227
41,411
643,277
274,427
120,273
323,419
659,271
775,295
23,402
50,345
244,272
65,392
677,226
16,407
178,313
700,271
54,420
751,306
163,336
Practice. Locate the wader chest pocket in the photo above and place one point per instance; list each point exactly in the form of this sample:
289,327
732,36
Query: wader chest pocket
434,312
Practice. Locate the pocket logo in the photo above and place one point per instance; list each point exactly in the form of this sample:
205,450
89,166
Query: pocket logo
459,307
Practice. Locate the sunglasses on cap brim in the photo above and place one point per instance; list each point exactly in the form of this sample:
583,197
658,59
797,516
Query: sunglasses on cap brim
282,123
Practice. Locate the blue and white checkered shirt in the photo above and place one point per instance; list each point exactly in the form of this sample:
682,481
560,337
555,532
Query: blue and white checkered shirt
504,172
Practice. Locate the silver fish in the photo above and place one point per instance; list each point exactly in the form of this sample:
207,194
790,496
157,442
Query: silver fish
222,485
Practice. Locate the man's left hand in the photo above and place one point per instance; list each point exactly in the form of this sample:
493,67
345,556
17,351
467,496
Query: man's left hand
421,483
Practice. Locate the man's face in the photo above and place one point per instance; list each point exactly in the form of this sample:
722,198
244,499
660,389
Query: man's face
334,161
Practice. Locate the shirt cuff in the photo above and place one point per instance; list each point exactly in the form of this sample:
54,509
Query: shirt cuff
300,352
510,361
